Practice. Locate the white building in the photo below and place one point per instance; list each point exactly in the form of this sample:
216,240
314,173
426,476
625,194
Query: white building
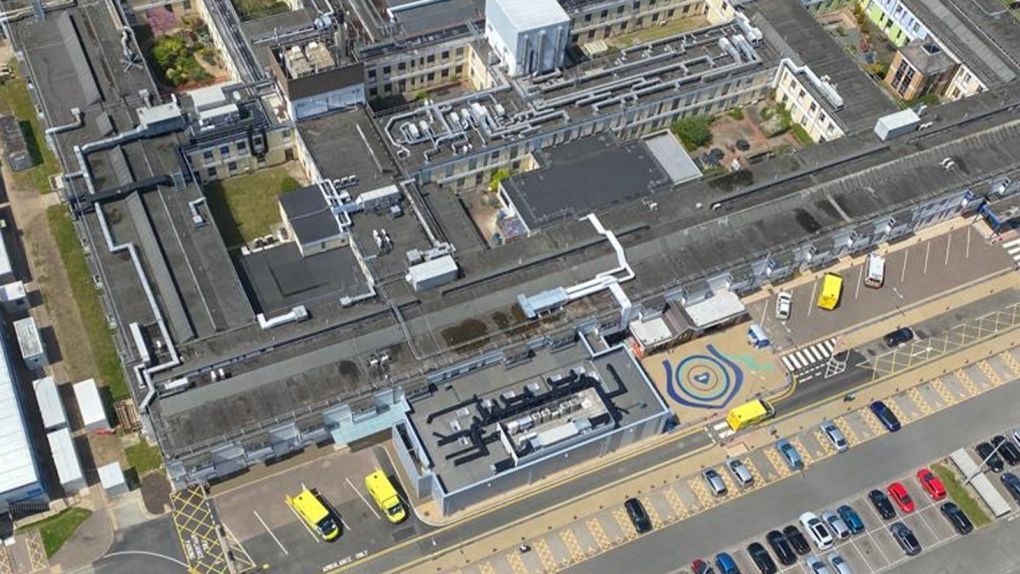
33,352
111,476
90,405
50,406
65,460
13,296
19,474
530,36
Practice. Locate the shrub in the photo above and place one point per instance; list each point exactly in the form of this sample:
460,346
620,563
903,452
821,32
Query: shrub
694,131
736,113
289,184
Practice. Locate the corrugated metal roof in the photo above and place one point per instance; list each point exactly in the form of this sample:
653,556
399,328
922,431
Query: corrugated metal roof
17,460
65,458
28,337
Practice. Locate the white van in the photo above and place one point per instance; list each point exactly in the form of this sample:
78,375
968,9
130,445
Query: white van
875,271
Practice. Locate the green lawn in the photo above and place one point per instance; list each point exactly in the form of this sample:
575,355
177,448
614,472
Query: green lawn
656,32
253,9
143,457
15,99
85,295
245,206
56,529
960,496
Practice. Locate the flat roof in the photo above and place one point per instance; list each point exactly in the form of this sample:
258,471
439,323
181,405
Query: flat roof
673,158
530,14
583,176
47,397
5,259
65,457
28,337
89,404
437,415
280,278
346,143
17,457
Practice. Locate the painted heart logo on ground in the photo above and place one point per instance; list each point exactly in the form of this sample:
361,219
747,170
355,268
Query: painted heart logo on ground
705,381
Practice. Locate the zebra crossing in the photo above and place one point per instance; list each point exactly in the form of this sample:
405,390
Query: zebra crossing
1013,248
817,354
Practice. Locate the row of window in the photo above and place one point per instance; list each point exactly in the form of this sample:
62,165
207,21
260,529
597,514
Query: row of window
664,14
421,61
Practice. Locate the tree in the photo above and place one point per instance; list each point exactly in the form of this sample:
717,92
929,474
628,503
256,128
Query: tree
161,21
289,184
694,131
498,176
167,50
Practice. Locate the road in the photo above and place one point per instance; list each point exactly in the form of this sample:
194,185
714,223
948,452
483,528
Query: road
992,551
833,479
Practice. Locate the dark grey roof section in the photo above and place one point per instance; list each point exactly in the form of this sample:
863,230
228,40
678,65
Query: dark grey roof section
302,202
120,165
276,24
280,278
104,124
988,46
164,283
435,16
76,54
323,82
309,215
788,25
582,176
15,148
335,142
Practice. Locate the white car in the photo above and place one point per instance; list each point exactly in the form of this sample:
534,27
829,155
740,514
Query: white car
783,303
816,530
835,436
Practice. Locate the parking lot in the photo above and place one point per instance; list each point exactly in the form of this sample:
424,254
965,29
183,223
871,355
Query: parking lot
258,516
913,273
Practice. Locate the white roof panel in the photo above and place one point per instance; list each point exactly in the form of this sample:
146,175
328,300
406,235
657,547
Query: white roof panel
17,460
5,259
65,457
48,399
715,309
28,337
89,403
532,14
12,291
110,475
673,158
437,267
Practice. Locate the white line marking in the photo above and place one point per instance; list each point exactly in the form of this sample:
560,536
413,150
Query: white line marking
764,311
927,252
906,256
358,492
803,357
830,344
271,533
793,359
966,253
347,527
814,288
787,363
303,523
949,245
860,280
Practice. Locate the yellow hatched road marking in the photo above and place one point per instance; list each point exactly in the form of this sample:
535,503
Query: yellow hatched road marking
968,383
625,524
990,373
824,441
545,556
599,533
698,486
514,558
674,500
872,421
576,552
652,512
777,461
804,452
848,431
943,392
486,568
915,395
731,485
759,480
895,408
1011,362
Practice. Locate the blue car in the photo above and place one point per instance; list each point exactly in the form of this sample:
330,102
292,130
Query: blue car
789,454
885,416
851,518
724,562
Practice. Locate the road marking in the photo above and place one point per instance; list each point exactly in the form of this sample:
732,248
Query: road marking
759,480
304,524
576,553
915,395
485,568
860,280
777,463
968,383
545,556
943,392
674,500
949,245
903,273
927,252
990,373
358,492
598,533
653,514
826,444
896,410
271,533
1011,362
804,452
848,431
872,421
514,558
623,521
701,491
814,288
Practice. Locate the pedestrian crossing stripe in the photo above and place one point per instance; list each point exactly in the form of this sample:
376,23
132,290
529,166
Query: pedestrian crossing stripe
1013,248
804,358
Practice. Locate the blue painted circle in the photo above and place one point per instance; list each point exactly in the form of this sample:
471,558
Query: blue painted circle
713,368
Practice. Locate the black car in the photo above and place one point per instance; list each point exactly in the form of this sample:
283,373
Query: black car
987,453
637,515
905,538
1007,449
898,337
781,547
957,518
1012,484
882,504
761,558
885,416
797,540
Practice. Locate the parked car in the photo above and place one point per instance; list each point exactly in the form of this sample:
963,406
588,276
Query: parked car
1012,484
931,484
789,454
836,525
784,303
715,482
740,473
957,517
885,416
838,563
816,530
797,541
699,566
851,518
898,337
725,563
987,453
835,436
761,558
882,504
638,515
899,494
904,536
1007,449
815,565
781,547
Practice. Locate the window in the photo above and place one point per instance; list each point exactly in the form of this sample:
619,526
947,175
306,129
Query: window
386,70
242,147
207,156
401,66
431,58
813,107
619,9
225,151
445,55
286,135
372,92
371,73
587,17
446,73
210,173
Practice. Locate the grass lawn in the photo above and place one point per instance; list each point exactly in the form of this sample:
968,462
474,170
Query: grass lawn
253,9
657,32
14,99
143,457
56,529
245,206
85,295
961,496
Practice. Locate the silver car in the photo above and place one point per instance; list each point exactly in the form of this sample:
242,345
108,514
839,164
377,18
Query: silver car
815,565
740,472
835,436
836,524
715,481
838,563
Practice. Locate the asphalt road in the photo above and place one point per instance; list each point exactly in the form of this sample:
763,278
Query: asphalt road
834,478
151,547
990,551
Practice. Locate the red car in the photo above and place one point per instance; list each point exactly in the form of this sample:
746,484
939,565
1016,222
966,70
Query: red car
931,484
899,493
